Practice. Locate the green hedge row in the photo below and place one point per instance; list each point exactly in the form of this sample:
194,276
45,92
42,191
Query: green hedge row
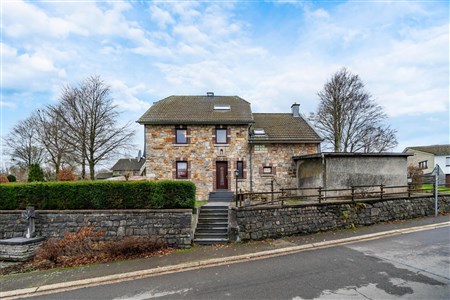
98,195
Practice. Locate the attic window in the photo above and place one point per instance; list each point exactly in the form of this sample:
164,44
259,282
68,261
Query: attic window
222,107
259,131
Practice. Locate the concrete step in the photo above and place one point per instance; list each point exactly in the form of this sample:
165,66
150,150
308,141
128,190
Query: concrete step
212,229
210,236
210,241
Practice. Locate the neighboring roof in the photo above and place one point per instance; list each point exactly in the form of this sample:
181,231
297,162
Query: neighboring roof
198,110
104,175
433,149
350,154
283,127
128,164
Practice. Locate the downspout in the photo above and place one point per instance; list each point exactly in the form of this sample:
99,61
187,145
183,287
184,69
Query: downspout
251,168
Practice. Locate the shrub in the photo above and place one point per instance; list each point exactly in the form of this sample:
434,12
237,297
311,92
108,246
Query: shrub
11,178
73,244
132,245
35,173
3,178
66,174
98,195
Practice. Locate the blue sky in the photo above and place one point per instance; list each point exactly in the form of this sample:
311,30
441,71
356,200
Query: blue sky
270,53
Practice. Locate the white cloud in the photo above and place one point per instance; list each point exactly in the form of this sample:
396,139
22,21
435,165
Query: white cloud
28,70
125,97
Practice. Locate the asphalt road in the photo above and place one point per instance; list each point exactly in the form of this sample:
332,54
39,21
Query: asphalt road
408,266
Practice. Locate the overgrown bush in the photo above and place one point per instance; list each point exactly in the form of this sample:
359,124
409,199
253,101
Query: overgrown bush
98,195
11,178
66,174
73,244
84,246
132,245
3,178
35,173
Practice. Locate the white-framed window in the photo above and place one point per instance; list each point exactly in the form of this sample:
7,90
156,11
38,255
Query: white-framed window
260,148
267,170
447,161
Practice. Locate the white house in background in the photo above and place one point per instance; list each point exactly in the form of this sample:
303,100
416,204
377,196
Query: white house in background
427,157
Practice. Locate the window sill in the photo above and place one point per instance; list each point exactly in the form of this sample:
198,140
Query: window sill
221,145
180,145
267,175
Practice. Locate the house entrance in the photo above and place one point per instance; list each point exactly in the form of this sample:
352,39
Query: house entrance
221,175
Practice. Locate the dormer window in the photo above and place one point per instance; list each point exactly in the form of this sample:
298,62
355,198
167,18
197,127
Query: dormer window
222,107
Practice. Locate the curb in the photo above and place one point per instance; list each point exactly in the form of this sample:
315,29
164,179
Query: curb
65,286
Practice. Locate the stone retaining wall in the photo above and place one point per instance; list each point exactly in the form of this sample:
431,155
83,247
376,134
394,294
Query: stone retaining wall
254,223
173,226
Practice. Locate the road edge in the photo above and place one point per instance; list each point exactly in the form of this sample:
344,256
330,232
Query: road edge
65,286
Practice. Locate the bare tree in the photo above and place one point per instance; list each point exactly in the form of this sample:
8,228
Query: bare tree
51,135
90,117
23,144
349,119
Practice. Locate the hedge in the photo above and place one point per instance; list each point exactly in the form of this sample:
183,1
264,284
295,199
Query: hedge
98,195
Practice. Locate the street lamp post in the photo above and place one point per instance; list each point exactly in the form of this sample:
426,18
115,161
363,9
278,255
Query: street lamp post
236,174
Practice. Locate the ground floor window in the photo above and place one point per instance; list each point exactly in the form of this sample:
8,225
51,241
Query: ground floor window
182,170
240,169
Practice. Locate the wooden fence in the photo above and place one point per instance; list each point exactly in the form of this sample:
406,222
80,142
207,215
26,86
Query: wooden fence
319,194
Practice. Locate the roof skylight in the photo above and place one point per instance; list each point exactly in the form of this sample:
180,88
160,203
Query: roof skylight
222,107
259,131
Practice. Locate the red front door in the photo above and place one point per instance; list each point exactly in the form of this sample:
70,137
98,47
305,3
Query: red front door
221,175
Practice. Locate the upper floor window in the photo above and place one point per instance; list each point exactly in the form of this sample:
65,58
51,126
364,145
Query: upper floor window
221,136
181,136
447,161
423,164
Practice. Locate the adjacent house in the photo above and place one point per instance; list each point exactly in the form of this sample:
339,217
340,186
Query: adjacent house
217,142
427,157
129,167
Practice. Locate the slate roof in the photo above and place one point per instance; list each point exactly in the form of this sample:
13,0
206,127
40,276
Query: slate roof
283,127
128,164
175,110
438,150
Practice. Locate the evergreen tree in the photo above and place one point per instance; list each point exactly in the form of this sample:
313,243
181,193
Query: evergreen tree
36,173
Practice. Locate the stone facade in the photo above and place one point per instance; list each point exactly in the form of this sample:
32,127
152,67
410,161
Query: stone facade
202,153
173,226
254,223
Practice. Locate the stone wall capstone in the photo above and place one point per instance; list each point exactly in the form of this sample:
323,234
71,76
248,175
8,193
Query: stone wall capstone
255,223
173,226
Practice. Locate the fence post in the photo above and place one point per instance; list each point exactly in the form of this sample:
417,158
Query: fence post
353,194
409,190
381,191
271,189
320,194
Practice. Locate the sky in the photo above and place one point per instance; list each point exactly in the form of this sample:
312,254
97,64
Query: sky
271,53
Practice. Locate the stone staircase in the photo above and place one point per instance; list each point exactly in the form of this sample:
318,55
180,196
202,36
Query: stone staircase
212,225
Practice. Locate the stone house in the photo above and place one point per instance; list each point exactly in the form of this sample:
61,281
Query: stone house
217,141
